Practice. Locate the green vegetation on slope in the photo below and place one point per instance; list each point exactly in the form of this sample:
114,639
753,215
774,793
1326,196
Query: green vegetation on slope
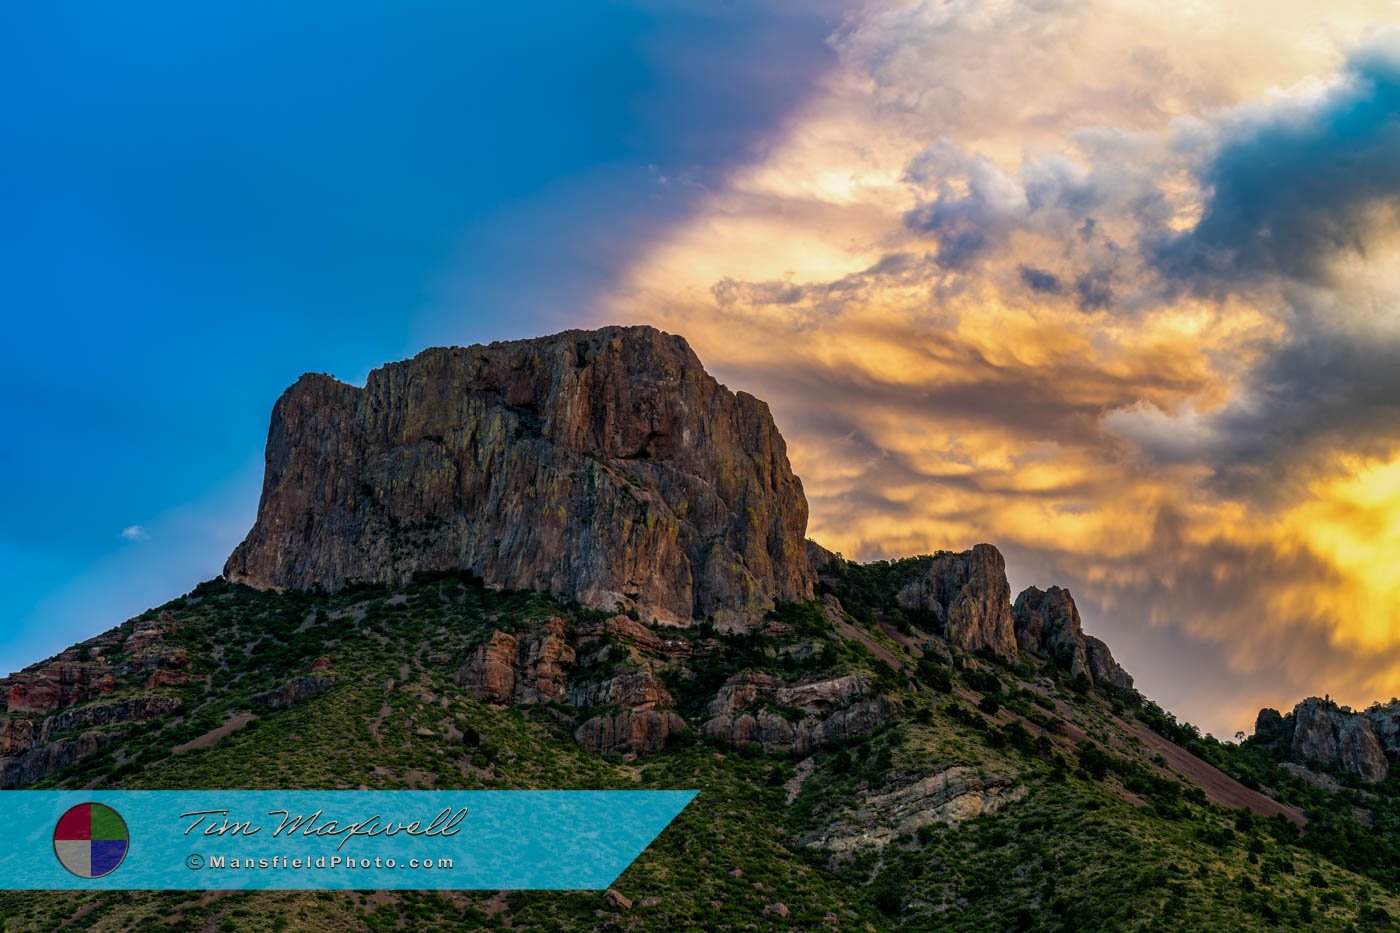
1095,832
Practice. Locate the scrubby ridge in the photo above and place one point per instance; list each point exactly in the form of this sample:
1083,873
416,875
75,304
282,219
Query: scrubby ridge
990,796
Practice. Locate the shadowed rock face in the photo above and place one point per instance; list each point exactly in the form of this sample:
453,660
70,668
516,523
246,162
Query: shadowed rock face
1048,625
603,466
1102,668
968,598
1319,732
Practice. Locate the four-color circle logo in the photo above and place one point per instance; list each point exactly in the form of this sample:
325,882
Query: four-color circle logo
91,840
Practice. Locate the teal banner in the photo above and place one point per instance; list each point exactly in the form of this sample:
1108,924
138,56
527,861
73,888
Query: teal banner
308,840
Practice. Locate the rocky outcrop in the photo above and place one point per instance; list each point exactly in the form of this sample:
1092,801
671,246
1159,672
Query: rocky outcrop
533,665
293,692
875,818
639,639
43,760
603,466
1359,749
32,749
1315,726
132,709
46,703
1102,668
1385,720
638,689
16,735
823,561
966,599
1320,733
760,709
629,732
57,684
1269,724
163,678
96,667
1048,626
632,710
820,694
529,667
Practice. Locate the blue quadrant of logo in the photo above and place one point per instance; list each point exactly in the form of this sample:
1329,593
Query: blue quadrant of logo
107,854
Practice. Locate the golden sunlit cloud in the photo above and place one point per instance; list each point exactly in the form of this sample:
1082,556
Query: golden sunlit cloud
1019,274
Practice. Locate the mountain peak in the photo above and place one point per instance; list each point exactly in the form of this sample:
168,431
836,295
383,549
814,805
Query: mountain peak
602,466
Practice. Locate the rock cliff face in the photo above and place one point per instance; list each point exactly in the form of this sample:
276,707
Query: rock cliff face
1319,732
746,710
57,712
1048,626
604,466
968,600
611,672
875,818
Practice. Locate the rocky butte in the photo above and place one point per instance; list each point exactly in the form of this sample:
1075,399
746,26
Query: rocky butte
604,466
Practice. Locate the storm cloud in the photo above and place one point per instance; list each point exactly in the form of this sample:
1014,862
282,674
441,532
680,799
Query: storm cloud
1112,286
1296,185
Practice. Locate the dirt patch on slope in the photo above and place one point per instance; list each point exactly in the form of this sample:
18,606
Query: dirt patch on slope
1219,786
232,725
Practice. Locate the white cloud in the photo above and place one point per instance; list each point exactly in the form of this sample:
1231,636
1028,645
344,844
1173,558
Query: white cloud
135,533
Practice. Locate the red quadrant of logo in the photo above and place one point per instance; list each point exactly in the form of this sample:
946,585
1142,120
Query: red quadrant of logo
75,824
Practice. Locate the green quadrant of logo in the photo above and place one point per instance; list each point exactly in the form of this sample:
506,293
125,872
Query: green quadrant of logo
106,824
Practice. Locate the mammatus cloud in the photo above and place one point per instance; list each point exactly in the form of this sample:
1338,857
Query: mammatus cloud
135,533
1109,284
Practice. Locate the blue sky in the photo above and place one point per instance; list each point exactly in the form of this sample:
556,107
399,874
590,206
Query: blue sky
203,201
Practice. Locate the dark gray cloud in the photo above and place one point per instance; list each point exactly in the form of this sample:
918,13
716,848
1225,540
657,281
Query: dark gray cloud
1291,190
1040,281
1294,188
974,209
1094,290
1321,392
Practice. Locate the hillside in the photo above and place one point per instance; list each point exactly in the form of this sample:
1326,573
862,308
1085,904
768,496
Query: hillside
898,745
997,796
